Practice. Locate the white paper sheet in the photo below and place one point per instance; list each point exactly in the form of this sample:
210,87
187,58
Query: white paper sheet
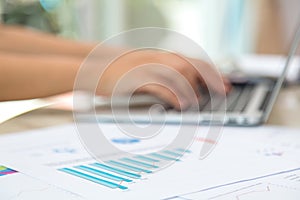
11,109
19,186
242,153
277,186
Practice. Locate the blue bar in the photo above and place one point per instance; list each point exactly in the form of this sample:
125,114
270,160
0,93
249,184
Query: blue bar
116,170
93,179
7,170
172,153
142,164
163,157
184,150
103,174
136,169
147,159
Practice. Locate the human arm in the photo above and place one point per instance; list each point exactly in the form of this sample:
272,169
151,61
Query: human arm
19,39
25,76
40,65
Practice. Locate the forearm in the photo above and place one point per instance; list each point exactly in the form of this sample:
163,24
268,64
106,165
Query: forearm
25,76
23,40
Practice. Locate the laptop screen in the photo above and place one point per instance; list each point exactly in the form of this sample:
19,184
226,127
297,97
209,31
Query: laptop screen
294,49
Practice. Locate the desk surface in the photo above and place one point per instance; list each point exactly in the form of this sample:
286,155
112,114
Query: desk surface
286,112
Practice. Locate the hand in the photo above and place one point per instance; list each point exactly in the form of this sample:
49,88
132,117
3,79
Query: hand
169,76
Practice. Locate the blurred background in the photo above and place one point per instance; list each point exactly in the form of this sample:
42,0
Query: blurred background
225,29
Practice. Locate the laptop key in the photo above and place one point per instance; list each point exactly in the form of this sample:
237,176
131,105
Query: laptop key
215,103
232,98
243,99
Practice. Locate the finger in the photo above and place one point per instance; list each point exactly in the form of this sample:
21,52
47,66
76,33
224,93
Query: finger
165,94
197,69
183,82
210,76
185,69
227,84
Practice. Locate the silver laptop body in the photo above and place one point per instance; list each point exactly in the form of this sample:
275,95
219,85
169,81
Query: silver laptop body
248,104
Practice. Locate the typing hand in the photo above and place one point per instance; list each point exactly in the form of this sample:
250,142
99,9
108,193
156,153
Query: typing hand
169,76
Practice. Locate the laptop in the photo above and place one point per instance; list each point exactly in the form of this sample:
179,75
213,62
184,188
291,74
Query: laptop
249,103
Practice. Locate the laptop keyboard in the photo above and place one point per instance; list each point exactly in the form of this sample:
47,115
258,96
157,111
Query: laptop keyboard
236,100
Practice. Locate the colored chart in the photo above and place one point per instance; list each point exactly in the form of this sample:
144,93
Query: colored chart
116,174
5,171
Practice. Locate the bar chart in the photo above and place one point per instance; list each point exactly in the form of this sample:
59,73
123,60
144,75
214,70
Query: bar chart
120,173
